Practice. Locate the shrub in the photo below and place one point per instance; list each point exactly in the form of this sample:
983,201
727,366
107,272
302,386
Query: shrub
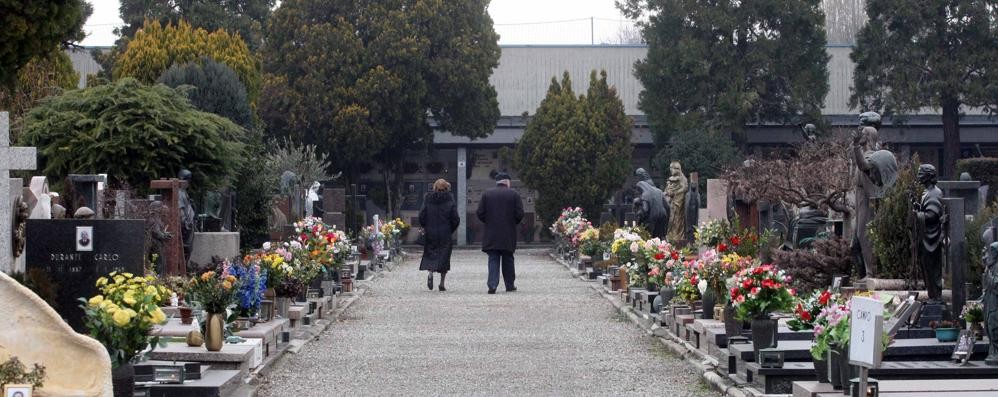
890,229
813,268
215,88
133,132
975,243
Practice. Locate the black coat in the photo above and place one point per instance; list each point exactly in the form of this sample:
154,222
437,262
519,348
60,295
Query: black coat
439,220
501,209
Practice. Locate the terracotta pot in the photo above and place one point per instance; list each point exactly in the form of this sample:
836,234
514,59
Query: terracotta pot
214,332
186,316
123,380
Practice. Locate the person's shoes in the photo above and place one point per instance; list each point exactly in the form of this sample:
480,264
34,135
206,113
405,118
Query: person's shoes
429,281
442,289
492,291
511,289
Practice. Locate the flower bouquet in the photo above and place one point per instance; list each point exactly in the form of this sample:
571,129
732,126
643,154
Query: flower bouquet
808,308
686,287
214,292
123,314
590,243
973,312
759,291
252,284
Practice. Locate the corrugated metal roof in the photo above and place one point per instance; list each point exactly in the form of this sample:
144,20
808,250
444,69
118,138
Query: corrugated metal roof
84,64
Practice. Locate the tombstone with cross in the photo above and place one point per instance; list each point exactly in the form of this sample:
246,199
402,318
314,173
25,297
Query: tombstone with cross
11,158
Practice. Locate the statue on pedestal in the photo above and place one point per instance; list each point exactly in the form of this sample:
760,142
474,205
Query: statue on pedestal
930,223
877,173
649,205
990,300
675,191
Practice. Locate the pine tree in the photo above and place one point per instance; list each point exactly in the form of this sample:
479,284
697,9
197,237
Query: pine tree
914,54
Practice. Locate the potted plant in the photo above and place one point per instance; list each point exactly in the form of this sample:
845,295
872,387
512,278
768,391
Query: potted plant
973,314
757,293
946,331
214,292
121,318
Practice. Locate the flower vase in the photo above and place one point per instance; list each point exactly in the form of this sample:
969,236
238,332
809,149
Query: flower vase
186,315
845,369
667,293
833,367
709,300
123,380
283,304
763,333
732,327
214,332
821,369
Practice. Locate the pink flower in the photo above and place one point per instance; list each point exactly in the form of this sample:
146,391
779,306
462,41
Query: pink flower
635,247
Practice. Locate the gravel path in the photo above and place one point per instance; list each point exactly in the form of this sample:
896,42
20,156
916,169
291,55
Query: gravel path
554,336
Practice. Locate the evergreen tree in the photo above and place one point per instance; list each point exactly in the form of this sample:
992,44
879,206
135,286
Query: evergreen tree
576,150
722,65
42,77
212,87
246,17
914,54
33,28
363,78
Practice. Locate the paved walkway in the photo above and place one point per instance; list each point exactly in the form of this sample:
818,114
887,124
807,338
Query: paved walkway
555,336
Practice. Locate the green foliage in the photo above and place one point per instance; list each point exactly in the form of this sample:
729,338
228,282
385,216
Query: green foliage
13,372
706,152
913,54
721,65
243,16
308,164
984,169
214,88
133,132
576,150
43,76
255,190
362,84
891,229
156,48
32,28
975,242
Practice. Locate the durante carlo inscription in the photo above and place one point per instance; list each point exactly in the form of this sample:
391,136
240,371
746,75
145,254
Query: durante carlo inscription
73,253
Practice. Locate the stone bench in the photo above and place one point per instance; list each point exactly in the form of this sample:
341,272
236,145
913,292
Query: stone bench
781,380
970,387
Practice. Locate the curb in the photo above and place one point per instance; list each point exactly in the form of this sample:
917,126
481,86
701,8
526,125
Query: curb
706,366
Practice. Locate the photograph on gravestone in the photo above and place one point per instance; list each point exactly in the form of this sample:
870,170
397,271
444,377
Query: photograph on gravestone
54,247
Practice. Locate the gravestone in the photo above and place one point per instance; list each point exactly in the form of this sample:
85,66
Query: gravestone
956,250
38,198
717,199
334,206
84,191
173,249
74,253
969,191
11,158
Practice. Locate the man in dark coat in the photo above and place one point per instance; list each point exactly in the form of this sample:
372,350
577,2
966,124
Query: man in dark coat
500,209
439,220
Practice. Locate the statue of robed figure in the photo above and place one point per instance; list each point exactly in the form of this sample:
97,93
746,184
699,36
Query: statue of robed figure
649,204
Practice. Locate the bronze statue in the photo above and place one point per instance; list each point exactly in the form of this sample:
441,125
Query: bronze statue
649,205
158,235
990,300
187,214
675,191
878,170
930,225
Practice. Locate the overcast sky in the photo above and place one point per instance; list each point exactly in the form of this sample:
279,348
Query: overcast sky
516,21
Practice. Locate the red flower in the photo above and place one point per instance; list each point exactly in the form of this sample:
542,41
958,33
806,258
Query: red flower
734,293
825,296
758,270
767,283
304,237
675,255
722,247
735,240
747,283
659,256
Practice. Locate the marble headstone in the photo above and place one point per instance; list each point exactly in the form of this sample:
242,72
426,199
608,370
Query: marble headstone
11,158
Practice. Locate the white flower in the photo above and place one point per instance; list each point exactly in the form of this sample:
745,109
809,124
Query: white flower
702,286
266,246
295,245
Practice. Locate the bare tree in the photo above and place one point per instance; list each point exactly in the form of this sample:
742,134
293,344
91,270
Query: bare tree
628,34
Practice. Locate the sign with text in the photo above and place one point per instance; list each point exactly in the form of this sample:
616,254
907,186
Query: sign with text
866,329
73,253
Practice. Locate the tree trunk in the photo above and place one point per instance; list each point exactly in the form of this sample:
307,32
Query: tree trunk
951,135
386,172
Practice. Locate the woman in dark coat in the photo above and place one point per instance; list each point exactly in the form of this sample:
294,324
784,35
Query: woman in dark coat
439,220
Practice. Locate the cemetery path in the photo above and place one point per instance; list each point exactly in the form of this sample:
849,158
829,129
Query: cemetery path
554,336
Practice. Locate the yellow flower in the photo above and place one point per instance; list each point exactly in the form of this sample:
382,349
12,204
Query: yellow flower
231,279
207,275
128,275
158,317
129,297
96,300
226,284
151,290
118,279
122,317
102,281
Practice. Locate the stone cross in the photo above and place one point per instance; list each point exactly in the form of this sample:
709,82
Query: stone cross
173,250
11,158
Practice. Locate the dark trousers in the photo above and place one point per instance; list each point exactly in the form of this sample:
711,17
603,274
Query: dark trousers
508,271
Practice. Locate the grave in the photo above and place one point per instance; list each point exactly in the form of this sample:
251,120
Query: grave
11,158
84,191
199,380
334,207
206,245
969,191
717,199
241,357
74,253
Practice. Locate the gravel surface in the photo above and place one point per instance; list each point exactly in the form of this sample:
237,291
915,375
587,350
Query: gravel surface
554,336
